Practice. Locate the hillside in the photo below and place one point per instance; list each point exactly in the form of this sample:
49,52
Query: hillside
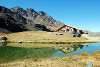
42,36
92,34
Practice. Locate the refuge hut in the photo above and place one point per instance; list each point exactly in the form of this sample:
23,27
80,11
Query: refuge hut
70,29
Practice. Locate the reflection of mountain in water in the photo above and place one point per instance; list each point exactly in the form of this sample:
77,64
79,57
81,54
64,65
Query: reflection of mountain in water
70,49
9,53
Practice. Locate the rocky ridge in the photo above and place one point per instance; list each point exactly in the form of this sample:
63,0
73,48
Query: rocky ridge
38,17
18,20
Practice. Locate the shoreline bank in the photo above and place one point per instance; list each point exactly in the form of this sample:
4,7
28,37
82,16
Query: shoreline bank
50,42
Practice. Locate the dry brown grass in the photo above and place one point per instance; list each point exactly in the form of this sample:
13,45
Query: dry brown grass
42,36
69,61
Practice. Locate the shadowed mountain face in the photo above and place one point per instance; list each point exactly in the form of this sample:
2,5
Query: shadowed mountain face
10,24
12,21
18,20
38,17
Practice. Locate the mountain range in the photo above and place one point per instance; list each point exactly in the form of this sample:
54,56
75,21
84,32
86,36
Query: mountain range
17,20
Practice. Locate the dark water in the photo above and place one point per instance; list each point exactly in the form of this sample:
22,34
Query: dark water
12,53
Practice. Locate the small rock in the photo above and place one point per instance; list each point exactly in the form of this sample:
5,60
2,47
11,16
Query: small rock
19,41
89,64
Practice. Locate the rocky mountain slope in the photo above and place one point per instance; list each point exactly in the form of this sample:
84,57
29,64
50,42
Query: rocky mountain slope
18,19
7,21
38,17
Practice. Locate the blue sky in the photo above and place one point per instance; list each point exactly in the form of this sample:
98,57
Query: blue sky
83,14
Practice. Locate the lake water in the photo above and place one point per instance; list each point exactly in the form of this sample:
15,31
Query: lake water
85,48
13,52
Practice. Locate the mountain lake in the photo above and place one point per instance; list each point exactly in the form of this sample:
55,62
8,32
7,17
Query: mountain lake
11,52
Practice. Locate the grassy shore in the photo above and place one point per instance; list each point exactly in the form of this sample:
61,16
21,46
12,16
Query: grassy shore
45,37
69,61
42,36
48,42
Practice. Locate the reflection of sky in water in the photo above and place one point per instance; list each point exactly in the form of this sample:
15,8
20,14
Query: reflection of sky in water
90,49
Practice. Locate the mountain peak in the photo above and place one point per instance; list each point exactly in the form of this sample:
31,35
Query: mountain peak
17,7
18,10
30,10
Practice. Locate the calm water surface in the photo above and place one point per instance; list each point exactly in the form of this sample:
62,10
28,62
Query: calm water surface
12,53
85,48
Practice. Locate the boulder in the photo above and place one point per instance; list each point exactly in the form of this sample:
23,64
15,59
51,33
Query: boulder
3,38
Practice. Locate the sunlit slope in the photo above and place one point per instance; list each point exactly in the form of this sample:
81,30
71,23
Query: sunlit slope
42,36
